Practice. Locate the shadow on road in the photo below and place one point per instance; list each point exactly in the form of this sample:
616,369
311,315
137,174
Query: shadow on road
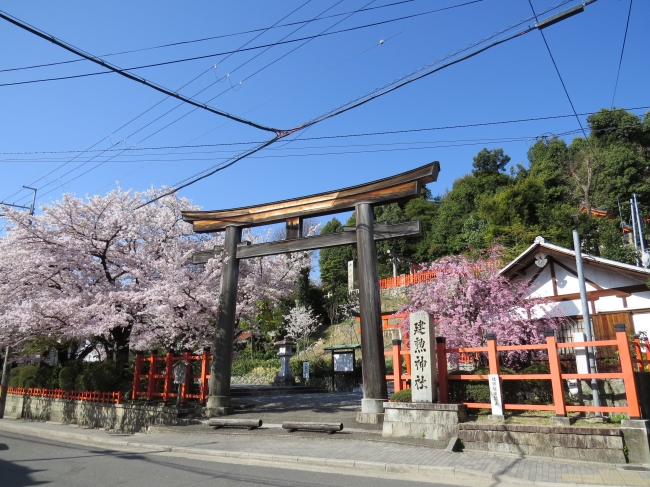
14,475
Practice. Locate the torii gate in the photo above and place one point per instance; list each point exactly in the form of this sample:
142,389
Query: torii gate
360,198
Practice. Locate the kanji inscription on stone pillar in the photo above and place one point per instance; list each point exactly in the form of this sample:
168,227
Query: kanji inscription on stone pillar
423,357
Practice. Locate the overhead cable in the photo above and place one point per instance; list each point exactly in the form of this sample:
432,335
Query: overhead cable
223,53
210,171
203,39
620,61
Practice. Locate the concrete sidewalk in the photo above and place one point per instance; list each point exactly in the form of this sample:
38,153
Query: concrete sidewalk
345,451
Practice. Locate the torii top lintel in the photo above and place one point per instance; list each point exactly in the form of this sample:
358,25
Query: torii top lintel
395,188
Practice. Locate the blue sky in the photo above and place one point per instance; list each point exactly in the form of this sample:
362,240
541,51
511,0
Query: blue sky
513,81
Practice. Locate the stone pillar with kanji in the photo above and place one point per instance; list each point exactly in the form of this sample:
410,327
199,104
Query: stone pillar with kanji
423,357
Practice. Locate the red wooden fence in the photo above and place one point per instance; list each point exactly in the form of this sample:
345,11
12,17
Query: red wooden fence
159,378
629,364
110,397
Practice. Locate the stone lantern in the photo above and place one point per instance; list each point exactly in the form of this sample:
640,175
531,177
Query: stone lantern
285,352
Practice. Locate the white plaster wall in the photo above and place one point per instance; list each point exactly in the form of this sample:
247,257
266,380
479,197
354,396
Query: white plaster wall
641,323
639,300
610,303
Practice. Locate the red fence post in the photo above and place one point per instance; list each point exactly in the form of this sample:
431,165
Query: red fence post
493,356
556,377
151,382
640,365
169,362
204,375
397,365
137,370
628,372
441,355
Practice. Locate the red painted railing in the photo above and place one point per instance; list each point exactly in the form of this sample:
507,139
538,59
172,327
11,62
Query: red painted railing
108,397
159,378
406,280
628,363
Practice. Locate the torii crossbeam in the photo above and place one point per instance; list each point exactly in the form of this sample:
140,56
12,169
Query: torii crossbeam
360,198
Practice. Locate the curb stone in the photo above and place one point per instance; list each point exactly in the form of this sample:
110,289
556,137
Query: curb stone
457,473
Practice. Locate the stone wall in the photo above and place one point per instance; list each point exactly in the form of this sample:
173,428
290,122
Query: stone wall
121,417
423,420
572,443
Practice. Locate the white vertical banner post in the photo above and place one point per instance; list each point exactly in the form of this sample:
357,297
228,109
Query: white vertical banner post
423,357
305,370
496,399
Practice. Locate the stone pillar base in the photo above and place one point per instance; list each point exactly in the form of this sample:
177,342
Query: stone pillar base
496,417
559,421
372,406
217,406
370,418
284,381
217,411
635,434
438,422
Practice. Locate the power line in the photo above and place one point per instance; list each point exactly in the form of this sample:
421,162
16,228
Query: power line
363,134
557,70
210,171
620,61
278,135
394,35
264,29
205,56
131,76
161,101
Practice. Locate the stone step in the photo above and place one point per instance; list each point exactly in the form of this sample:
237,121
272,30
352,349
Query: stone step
274,391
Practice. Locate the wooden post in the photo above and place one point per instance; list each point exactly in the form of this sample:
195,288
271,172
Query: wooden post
204,374
219,399
443,382
397,365
293,227
5,382
372,346
137,371
628,372
151,380
169,375
556,378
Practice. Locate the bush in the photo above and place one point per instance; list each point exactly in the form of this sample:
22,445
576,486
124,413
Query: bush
97,376
68,375
27,376
514,392
14,377
243,366
401,396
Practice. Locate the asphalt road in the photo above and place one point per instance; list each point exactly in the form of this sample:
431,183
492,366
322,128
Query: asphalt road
27,461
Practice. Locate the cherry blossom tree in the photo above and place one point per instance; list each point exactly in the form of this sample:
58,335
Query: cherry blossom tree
469,298
98,270
300,324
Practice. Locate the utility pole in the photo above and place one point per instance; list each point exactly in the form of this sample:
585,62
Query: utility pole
639,224
586,317
5,382
634,232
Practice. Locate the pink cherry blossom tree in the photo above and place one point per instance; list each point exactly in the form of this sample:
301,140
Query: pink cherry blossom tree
469,298
102,271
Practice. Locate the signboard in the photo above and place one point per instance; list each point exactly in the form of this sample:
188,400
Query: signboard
423,357
305,370
495,394
343,362
179,370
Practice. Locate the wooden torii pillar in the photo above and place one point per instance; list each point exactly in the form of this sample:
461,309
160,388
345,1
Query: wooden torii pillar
360,198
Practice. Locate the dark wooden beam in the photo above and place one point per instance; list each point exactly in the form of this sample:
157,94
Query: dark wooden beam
293,228
395,188
381,232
